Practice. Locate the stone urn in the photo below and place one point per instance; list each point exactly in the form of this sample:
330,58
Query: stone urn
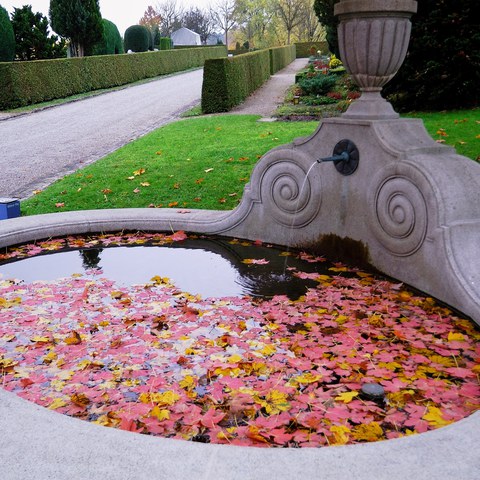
373,37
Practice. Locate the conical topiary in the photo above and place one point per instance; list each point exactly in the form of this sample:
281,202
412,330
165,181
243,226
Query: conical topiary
7,37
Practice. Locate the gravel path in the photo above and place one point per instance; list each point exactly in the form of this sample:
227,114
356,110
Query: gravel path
38,148
267,98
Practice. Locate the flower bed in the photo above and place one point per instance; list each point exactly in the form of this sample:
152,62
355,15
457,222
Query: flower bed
323,89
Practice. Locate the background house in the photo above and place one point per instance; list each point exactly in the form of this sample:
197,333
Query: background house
185,36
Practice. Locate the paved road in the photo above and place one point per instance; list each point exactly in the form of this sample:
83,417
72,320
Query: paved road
40,147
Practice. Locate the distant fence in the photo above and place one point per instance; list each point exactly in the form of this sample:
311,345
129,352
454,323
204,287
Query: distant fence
27,83
227,82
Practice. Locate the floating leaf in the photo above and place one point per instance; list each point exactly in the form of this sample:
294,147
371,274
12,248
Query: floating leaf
346,397
256,261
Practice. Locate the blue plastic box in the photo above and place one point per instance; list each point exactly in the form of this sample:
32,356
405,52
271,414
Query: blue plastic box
9,208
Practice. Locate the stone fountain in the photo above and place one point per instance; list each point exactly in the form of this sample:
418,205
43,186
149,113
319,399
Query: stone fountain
406,205
392,197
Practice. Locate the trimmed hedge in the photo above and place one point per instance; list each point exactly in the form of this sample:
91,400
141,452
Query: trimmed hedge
280,57
303,48
227,82
26,83
165,43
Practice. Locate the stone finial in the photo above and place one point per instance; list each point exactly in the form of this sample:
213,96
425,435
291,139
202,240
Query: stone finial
373,37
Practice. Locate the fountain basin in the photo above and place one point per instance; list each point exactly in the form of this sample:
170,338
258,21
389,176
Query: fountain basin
42,443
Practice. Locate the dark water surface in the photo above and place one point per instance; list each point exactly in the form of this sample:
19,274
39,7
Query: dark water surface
208,267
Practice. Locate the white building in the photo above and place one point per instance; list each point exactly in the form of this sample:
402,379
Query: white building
185,36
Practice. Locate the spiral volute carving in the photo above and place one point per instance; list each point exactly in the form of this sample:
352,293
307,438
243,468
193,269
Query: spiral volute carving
400,218
290,196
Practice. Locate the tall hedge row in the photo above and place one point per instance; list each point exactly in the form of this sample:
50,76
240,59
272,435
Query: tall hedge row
280,57
25,83
303,48
227,82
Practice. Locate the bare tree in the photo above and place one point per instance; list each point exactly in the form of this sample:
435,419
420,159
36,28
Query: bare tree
254,17
291,13
310,29
171,15
200,22
224,16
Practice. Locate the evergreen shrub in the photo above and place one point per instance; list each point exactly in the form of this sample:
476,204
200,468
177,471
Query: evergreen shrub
111,43
318,85
442,67
166,43
7,37
137,38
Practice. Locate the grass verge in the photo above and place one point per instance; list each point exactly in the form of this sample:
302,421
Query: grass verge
194,163
205,162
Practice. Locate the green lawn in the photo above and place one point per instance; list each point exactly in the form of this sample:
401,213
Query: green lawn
205,162
200,162
459,128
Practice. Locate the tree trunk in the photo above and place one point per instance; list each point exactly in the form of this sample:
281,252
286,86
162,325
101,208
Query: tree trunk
76,49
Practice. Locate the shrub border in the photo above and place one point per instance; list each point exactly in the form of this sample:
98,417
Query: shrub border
227,82
27,83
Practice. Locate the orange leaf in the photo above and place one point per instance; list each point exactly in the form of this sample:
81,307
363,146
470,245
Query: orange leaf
73,339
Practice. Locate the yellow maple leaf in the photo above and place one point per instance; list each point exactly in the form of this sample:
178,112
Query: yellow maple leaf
159,413
455,337
340,435
275,402
307,378
268,350
49,357
370,432
57,403
188,383
435,418
161,398
346,397
235,358
40,339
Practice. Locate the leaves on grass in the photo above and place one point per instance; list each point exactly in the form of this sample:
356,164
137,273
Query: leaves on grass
263,372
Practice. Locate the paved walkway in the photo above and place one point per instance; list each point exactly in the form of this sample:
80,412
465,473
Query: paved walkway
42,146
267,98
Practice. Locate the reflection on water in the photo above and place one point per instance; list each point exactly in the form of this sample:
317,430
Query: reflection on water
210,268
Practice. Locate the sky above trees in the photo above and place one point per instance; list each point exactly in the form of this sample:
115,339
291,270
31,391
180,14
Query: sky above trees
122,13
